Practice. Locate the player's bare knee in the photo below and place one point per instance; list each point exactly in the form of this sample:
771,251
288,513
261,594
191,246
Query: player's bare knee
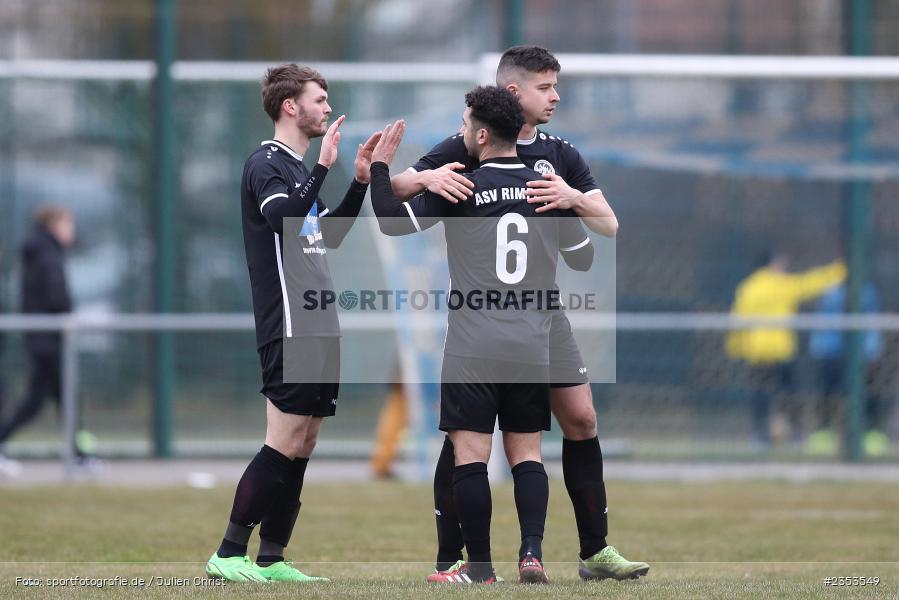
577,421
308,445
579,426
471,446
284,445
310,438
515,459
286,441
521,447
573,408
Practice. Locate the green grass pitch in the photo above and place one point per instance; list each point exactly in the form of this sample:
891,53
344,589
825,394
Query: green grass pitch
376,540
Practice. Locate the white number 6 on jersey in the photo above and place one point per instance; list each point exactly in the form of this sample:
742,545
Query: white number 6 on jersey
504,247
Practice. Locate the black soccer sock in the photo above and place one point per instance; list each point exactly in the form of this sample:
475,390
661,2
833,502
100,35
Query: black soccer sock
277,526
471,493
259,485
582,469
531,499
235,541
449,533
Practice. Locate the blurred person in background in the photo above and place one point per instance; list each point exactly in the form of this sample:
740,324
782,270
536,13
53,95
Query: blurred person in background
770,352
392,423
8,467
45,290
828,348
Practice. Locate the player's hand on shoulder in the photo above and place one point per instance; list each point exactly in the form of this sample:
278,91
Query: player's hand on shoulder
552,192
446,182
386,147
328,154
363,158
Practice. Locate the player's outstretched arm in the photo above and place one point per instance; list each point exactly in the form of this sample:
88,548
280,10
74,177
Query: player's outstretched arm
393,217
277,201
337,223
443,181
576,248
407,184
554,193
285,203
596,213
580,259
396,217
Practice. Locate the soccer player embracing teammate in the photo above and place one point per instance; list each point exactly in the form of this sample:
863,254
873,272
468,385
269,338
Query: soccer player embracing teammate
531,74
502,260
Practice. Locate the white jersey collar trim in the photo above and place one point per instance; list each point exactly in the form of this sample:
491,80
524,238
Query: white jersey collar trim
503,165
530,141
283,147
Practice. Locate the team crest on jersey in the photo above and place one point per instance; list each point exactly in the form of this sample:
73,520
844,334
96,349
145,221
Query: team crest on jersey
543,167
310,229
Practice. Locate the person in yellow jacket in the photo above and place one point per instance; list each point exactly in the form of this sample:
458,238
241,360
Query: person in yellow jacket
771,291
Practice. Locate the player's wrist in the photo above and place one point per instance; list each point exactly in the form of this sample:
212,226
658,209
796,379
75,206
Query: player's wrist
319,170
579,204
423,179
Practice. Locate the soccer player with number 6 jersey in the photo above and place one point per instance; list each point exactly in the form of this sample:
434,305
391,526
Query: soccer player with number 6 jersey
496,358
531,74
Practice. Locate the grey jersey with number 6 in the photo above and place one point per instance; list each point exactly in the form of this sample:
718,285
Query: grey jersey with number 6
497,243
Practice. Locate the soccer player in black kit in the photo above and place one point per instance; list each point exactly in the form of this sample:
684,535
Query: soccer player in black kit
277,189
531,73
496,358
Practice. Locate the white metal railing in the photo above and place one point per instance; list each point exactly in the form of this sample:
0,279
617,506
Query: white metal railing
609,65
71,325
384,321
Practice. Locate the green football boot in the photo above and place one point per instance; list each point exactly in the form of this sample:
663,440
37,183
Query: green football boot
234,568
608,564
285,571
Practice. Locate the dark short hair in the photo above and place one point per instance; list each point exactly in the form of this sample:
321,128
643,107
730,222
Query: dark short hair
498,110
286,81
529,59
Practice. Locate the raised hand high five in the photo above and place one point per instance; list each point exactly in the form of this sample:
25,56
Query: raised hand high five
390,140
363,158
328,154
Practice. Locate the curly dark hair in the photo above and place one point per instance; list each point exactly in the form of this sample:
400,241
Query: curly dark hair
498,110
527,59
286,81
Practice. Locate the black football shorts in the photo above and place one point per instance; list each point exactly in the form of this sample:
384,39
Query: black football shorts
313,370
474,392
